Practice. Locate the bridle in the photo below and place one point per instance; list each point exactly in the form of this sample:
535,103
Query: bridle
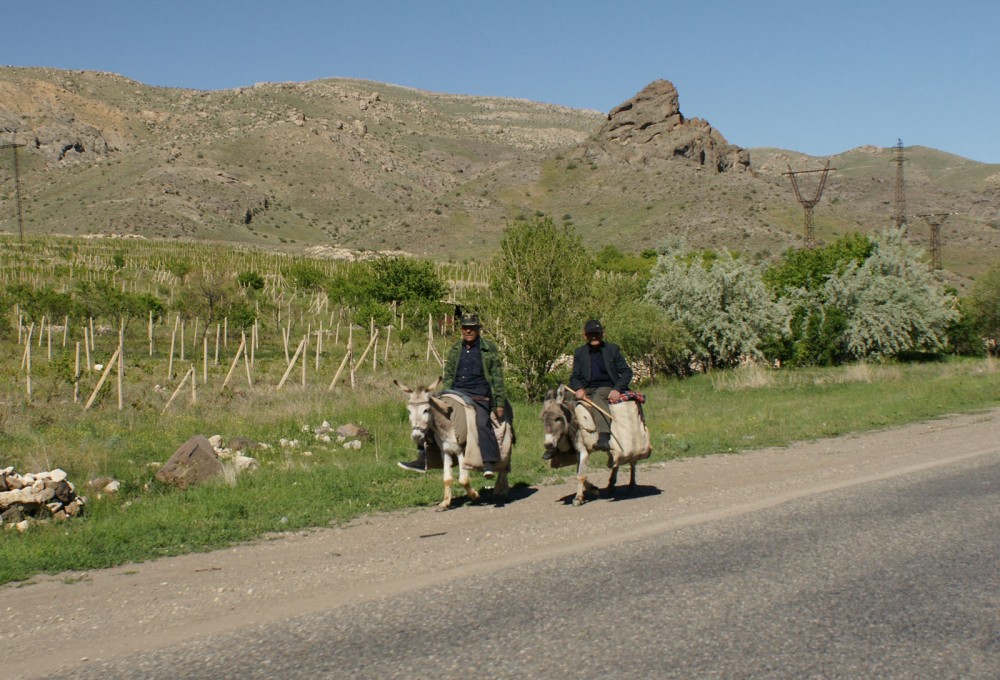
568,419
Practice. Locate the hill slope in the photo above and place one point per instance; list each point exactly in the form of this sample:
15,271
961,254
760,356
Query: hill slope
373,166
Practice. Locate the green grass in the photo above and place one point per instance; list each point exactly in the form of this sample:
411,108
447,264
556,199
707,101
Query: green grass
723,412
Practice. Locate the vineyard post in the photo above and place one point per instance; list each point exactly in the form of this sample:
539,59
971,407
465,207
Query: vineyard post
76,376
246,356
232,367
121,363
291,364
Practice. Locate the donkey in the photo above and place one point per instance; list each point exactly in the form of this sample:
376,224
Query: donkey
445,425
569,429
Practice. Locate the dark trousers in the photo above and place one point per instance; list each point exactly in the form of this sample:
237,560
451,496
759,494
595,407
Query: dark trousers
488,446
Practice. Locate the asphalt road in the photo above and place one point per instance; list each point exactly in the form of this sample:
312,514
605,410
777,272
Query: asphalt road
893,578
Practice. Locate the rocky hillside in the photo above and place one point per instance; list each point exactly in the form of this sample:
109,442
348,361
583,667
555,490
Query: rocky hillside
367,165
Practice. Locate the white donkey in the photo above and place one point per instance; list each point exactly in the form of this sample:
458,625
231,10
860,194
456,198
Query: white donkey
445,425
570,434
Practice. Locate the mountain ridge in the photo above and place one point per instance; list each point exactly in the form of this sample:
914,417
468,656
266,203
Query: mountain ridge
368,165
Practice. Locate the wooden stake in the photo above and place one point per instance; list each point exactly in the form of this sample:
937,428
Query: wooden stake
236,360
173,396
347,356
291,364
100,383
76,376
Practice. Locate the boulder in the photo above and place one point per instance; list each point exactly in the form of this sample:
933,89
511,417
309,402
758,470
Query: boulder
650,128
193,463
352,431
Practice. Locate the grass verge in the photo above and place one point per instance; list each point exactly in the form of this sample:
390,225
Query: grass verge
318,484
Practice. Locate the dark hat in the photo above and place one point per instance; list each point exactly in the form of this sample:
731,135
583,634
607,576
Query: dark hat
469,320
592,327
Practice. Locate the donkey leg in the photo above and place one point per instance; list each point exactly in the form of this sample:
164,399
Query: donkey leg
446,503
612,480
502,487
582,485
631,481
463,479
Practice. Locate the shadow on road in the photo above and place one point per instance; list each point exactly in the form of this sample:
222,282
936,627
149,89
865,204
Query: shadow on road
620,493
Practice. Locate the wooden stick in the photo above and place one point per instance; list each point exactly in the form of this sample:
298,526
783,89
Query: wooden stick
236,359
177,391
247,359
347,356
121,364
368,348
76,376
291,363
100,383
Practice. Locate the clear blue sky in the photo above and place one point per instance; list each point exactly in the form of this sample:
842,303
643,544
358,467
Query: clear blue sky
816,77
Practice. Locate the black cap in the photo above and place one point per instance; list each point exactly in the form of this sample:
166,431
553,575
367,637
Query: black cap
593,327
469,321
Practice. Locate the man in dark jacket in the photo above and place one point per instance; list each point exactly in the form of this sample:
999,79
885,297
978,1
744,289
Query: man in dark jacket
473,367
601,374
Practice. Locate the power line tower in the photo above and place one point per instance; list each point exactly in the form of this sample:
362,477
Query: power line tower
809,204
17,187
934,221
899,200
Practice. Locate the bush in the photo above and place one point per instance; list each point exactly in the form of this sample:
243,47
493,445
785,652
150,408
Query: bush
396,279
250,280
984,307
891,303
647,334
540,283
305,276
721,302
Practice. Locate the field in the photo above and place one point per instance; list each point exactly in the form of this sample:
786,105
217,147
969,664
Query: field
268,397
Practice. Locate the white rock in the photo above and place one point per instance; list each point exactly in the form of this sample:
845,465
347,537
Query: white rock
112,487
57,475
216,441
98,367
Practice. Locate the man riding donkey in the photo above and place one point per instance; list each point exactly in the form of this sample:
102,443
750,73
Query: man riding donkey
474,368
600,375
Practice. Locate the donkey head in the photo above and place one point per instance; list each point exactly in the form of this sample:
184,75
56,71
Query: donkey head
419,407
557,418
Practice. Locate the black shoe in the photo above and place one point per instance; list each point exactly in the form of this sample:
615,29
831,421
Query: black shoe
418,465
548,454
603,442
488,471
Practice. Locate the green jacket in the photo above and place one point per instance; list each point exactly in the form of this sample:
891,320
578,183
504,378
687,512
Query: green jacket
492,369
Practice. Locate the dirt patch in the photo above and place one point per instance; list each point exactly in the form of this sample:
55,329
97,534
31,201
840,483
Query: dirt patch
108,613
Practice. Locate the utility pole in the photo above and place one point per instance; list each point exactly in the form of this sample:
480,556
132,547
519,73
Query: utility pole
934,221
899,200
17,188
809,204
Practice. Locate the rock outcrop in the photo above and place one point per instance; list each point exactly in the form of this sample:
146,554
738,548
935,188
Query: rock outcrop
650,127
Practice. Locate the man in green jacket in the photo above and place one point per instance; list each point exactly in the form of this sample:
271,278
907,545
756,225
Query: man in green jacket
473,367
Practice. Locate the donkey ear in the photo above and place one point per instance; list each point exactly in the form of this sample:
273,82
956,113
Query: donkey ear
406,390
550,394
434,385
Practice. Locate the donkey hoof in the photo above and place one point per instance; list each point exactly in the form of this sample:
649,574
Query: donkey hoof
442,507
577,502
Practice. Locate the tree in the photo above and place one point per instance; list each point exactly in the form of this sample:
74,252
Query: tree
540,284
721,302
647,334
816,332
891,302
398,279
984,307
